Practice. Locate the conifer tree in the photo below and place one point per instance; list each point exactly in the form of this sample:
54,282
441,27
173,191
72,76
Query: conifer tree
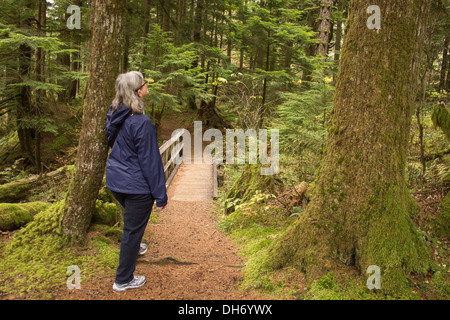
360,211
106,24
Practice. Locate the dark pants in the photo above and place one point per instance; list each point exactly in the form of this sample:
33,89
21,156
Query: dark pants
137,212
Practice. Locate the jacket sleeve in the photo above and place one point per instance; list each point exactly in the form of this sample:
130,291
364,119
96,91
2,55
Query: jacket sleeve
150,162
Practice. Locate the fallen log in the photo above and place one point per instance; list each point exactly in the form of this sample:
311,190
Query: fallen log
16,215
21,189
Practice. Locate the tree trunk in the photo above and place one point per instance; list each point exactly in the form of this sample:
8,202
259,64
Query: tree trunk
311,49
75,57
165,5
360,210
198,21
40,76
106,25
337,46
447,80
229,37
324,27
181,16
147,10
24,106
444,66
126,52
264,92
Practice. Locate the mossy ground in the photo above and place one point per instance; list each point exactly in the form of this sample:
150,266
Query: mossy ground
34,261
442,221
15,215
258,221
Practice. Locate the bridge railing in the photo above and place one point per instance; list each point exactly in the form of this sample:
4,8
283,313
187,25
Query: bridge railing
171,154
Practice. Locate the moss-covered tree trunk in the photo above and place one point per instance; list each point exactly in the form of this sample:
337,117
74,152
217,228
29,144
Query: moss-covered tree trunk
360,209
105,50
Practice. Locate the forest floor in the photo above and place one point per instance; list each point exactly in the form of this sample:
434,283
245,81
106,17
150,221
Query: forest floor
190,257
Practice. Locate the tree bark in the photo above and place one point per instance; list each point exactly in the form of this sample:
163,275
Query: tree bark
360,211
181,17
165,4
198,21
40,76
24,106
105,49
324,27
337,46
444,66
447,80
311,49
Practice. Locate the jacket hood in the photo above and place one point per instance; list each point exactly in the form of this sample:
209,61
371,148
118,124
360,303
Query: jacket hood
114,120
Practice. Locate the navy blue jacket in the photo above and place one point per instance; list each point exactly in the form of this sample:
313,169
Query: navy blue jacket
134,165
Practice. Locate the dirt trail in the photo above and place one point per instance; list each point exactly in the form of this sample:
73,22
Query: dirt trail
188,257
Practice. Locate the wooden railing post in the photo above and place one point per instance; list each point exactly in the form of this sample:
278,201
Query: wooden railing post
170,151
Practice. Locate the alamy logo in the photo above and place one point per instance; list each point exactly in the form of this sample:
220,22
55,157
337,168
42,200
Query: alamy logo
374,21
374,281
257,141
74,281
74,21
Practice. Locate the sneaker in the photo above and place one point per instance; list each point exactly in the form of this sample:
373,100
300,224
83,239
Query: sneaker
138,281
142,249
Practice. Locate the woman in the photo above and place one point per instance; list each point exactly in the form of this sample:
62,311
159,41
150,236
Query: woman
134,172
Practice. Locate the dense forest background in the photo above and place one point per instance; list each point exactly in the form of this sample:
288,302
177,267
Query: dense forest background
232,64
245,64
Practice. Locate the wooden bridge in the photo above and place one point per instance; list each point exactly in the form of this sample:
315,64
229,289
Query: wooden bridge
195,181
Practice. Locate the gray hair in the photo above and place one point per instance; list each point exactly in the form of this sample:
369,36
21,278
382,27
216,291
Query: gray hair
126,87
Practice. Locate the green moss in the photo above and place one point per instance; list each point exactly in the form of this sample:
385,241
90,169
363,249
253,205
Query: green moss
325,288
16,215
9,190
441,224
441,119
381,234
342,285
59,143
106,213
29,255
391,241
9,148
439,286
35,260
115,233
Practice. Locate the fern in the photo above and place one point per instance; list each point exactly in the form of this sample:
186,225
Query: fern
302,118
